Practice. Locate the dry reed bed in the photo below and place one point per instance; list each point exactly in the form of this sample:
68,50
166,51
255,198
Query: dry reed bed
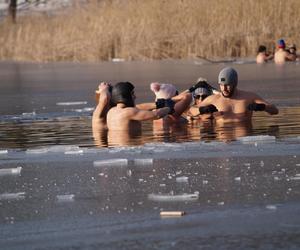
151,29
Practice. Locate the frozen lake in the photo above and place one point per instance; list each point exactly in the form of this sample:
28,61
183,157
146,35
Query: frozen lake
63,187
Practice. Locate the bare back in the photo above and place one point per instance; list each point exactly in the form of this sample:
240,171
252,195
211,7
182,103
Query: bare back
121,119
281,56
129,118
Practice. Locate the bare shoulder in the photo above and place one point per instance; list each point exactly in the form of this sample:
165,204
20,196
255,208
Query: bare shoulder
250,96
130,111
211,99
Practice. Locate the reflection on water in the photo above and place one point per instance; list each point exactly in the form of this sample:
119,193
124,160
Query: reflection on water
48,104
78,131
247,189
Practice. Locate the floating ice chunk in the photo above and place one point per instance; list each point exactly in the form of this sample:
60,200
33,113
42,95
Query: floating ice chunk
129,172
65,197
298,165
182,179
166,197
205,182
221,203
111,162
159,150
78,110
295,178
2,152
271,207
258,138
37,151
88,109
29,114
62,148
237,178
74,152
70,103
12,196
148,161
10,171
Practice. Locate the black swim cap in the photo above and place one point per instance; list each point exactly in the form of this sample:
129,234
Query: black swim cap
261,48
122,93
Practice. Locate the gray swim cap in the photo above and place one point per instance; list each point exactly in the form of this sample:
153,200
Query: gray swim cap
202,91
228,76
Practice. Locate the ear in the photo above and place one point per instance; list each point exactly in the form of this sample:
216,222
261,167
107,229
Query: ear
155,86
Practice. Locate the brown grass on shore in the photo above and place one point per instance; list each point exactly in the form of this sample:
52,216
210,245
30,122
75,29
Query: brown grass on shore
152,29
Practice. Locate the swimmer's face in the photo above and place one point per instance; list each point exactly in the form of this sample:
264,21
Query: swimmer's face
227,90
199,98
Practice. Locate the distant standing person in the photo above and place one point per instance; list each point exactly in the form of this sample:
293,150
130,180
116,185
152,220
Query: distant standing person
262,55
282,55
233,104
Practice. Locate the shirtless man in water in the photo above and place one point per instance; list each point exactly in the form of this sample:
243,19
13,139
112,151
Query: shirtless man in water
282,55
125,116
232,104
262,55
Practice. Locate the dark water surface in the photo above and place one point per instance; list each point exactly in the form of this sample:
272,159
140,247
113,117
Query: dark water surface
64,187
50,104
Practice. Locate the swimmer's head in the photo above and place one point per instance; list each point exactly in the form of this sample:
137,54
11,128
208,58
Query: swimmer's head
228,80
163,90
292,48
122,92
201,93
281,44
261,49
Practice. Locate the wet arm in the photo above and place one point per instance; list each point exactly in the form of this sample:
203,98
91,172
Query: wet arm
146,106
102,107
270,108
143,115
183,104
290,57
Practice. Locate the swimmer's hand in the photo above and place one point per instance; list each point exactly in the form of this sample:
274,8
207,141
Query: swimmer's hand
200,84
257,107
161,103
170,104
208,109
103,86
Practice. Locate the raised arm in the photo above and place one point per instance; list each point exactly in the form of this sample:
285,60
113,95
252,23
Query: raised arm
182,104
103,95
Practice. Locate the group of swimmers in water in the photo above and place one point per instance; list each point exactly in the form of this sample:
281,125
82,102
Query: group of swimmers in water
281,55
117,110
